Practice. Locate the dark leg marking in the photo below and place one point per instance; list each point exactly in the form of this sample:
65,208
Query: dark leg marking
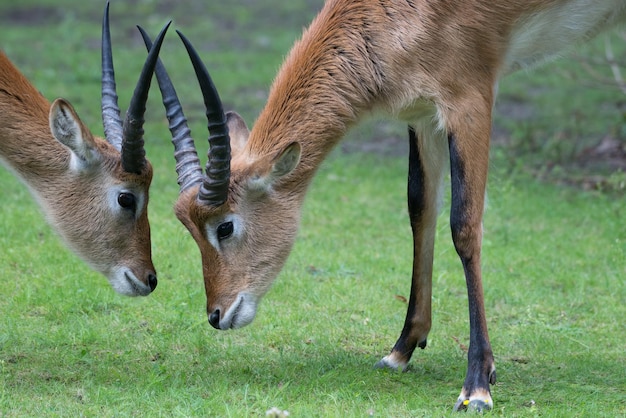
466,226
422,213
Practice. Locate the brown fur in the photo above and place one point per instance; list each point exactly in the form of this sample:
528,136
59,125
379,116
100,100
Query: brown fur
434,64
74,202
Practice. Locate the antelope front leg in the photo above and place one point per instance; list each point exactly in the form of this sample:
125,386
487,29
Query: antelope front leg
468,168
427,156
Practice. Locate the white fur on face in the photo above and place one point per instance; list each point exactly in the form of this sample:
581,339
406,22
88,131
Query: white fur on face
124,282
241,312
238,232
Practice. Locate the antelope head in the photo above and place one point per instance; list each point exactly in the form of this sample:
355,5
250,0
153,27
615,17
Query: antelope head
231,209
100,206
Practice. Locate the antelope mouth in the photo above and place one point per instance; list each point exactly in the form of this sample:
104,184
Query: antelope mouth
140,288
240,313
124,282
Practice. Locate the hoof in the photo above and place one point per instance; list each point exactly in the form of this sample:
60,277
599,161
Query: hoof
388,363
475,405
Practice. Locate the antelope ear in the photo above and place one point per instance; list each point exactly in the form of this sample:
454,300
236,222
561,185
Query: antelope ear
286,161
68,129
238,131
283,164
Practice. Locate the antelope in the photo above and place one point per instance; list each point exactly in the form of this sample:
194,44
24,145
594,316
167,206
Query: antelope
93,191
433,64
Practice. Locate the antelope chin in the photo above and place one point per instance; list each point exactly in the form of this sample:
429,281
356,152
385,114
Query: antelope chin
241,312
124,282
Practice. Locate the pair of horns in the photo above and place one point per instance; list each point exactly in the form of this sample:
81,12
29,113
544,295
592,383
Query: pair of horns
127,136
214,185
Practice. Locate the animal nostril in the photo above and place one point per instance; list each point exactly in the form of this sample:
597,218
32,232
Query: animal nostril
214,319
152,281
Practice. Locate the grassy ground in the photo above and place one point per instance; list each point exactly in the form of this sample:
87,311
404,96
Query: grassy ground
554,256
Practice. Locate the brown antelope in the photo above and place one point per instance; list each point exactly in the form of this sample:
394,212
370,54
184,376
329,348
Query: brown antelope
434,64
94,192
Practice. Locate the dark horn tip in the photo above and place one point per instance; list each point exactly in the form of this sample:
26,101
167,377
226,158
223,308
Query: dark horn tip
184,39
132,149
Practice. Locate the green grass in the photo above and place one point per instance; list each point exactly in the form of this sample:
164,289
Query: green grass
554,260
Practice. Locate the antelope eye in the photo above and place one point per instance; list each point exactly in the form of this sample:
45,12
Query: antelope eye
224,230
127,200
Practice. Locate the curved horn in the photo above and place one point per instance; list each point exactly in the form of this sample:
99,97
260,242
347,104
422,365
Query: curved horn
187,162
214,188
110,110
133,153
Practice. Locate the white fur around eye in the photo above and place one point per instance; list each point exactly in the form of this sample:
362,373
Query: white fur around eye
211,231
114,192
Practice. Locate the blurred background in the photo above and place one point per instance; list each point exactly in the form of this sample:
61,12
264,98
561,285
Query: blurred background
564,122
554,246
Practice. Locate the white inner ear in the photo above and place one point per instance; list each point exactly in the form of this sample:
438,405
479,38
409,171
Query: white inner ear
67,129
284,164
287,161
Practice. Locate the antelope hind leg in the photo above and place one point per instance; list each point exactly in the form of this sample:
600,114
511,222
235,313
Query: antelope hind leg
428,156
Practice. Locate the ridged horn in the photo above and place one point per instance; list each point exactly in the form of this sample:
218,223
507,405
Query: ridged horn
126,136
214,188
110,110
187,162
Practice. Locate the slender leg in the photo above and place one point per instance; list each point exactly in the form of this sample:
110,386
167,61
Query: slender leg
468,168
426,163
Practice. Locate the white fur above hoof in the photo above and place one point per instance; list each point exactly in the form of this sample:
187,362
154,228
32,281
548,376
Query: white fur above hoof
388,362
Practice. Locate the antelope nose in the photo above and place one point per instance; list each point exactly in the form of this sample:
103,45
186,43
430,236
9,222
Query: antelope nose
214,319
152,281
